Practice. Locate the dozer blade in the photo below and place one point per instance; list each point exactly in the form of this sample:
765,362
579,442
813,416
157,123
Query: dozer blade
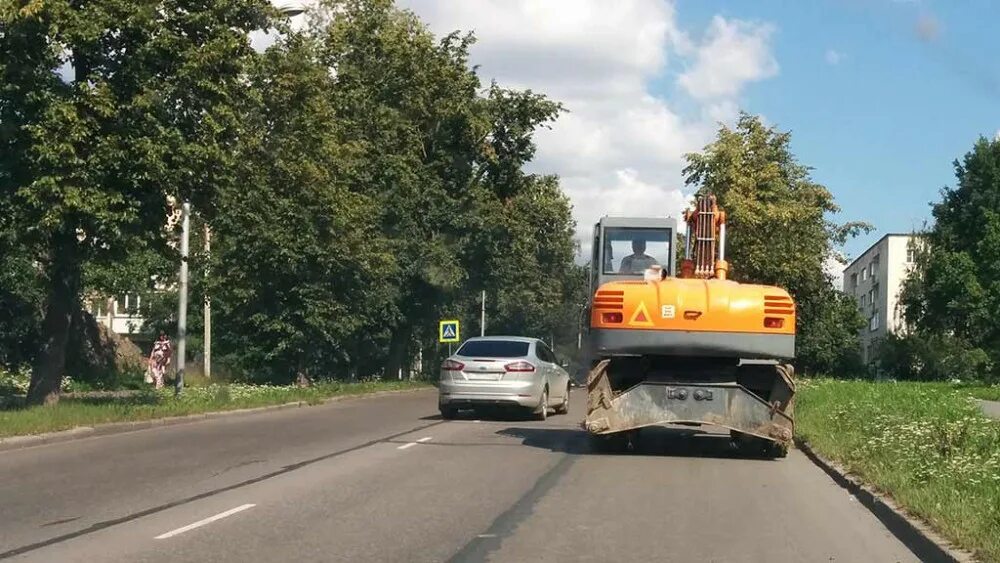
652,403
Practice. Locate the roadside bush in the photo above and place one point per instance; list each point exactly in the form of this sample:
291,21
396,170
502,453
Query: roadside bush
14,382
931,357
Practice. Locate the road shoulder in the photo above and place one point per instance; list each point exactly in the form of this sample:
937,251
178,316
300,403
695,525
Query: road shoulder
990,408
920,538
80,432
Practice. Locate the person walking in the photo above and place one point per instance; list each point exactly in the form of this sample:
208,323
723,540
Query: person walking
159,359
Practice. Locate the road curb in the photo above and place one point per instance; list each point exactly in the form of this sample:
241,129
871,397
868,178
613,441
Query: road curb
920,538
110,428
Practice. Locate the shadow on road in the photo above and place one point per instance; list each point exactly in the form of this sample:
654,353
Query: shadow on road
655,442
490,415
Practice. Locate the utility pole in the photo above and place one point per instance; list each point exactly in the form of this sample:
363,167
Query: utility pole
183,298
482,317
208,309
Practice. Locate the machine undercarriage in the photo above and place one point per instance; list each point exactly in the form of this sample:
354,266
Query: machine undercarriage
752,399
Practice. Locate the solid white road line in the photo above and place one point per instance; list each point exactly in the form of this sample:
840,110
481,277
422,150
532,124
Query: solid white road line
201,523
422,440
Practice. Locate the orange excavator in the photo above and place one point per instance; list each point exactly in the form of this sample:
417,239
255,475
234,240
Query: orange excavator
691,349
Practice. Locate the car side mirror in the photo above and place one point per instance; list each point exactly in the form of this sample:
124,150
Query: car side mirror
564,364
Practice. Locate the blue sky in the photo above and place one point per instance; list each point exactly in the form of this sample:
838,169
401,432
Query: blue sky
909,90
881,96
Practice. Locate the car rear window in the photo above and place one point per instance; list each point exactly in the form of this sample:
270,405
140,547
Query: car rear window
494,349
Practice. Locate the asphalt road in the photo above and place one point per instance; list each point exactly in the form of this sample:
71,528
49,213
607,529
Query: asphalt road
384,479
991,408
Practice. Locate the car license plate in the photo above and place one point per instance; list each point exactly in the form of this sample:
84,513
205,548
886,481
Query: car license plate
483,376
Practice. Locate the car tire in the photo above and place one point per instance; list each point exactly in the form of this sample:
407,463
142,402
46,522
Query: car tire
449,413
564,407
543,409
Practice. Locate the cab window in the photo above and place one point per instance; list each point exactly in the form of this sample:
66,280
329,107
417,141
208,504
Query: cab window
630,251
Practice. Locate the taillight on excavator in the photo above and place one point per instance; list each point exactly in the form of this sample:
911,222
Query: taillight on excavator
611,317
773,322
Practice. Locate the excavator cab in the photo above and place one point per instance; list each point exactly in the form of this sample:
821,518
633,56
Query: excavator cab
614,238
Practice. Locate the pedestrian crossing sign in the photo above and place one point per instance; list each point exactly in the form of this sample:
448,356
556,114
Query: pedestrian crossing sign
448,331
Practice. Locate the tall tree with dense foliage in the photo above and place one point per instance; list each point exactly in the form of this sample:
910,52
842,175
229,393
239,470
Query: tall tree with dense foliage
106,107
306,269
951,298
359,181
445,164
780,233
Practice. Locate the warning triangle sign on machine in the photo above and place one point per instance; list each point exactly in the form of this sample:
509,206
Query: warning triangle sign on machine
641,316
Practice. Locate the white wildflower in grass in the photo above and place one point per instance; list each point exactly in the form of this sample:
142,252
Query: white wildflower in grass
928,445
14,382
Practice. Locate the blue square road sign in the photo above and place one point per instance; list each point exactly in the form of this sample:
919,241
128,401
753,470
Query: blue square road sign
448,331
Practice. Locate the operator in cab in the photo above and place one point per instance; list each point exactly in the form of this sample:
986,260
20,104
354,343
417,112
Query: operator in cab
638,261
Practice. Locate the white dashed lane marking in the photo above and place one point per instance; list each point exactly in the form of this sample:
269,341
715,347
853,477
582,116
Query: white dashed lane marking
201,523
411,444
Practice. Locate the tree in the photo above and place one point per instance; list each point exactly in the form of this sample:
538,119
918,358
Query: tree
359,181
954,289
21,301
86,162
307,270
445,165
780,234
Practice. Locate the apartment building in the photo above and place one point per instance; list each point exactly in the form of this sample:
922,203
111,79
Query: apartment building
875,279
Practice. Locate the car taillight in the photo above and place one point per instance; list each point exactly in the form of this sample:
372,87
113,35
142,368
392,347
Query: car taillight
611,317
452,365
773,322
521,366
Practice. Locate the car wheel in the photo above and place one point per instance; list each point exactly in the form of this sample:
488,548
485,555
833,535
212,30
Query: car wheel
449,413
564,407
543,409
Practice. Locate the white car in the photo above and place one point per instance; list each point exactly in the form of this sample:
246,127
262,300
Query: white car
503,371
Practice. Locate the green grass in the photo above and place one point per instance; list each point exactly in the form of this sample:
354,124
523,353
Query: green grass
146,405
990,393
925,444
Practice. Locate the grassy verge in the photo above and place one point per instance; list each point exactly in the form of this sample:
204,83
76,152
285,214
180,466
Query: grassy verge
150,404
991,393
927,445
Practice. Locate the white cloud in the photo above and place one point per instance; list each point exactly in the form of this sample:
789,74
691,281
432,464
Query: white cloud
833,56
297,12
619,149
834,266
734,53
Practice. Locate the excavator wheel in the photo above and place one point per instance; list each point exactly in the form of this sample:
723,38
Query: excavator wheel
617,443
754,446
776,450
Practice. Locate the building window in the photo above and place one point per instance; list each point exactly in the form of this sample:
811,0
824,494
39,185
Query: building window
864,274
873,321
911,255
874,293
854,280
